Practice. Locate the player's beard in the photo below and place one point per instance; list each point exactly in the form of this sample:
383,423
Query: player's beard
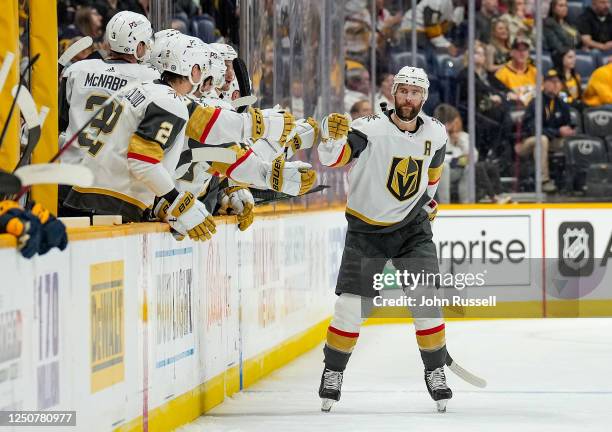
406,112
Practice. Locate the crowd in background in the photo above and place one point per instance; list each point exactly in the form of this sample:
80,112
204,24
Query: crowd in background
210,20
577,70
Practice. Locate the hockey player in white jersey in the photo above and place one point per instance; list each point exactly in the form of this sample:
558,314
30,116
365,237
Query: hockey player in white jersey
134,156
397,163
228,53
88,83
237,162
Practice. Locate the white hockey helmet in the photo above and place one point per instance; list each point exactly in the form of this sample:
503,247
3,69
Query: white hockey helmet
413,76
126,30
217,67
228,53
181,54
161,40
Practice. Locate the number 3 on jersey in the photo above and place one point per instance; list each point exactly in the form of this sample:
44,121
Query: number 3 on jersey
103,123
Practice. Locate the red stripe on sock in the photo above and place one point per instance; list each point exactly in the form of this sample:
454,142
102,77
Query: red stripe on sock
210,125
142,158
244,157
430,330
342,333
433,182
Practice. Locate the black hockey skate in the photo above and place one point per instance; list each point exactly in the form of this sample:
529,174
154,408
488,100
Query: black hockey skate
437,388
329,391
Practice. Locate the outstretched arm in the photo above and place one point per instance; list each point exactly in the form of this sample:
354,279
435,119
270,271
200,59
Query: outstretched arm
339,144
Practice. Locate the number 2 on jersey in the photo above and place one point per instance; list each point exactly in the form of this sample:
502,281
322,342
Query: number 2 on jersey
103,123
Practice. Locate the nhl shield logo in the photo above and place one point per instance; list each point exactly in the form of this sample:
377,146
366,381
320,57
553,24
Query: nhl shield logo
404,177
576,249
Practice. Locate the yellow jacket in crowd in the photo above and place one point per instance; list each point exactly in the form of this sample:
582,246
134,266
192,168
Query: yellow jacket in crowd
599,89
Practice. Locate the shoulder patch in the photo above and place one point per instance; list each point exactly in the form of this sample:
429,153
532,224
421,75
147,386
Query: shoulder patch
372,117
435,120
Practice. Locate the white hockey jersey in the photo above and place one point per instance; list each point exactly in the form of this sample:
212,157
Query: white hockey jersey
395,172
134,155
86,85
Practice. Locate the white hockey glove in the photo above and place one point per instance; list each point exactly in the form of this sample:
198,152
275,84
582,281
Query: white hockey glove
305,136
187,216
293,178
431,208
273,124
238,200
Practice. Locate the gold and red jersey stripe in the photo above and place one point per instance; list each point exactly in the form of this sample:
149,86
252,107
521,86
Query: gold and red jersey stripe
144,150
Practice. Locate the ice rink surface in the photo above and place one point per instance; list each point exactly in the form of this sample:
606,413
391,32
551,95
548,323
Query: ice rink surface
543,375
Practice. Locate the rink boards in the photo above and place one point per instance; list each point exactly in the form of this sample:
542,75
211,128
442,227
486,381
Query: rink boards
136,331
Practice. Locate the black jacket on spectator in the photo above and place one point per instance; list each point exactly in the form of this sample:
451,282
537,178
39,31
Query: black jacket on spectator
483,27
556,38
556,114
589,24
493,122
483,87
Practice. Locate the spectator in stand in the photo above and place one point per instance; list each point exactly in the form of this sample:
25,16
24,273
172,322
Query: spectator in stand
434,19
179,24
493,122
564,62
108,8
385,84
357,31
89,22
559,35
457,157
226,15
385,22
519,25
498,50
599,88
489,10
357,84
361,109
595,26
556,125
518,75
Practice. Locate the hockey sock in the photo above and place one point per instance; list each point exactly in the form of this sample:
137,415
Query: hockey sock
432,345
338,348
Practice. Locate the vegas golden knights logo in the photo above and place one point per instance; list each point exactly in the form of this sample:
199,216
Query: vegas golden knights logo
404,177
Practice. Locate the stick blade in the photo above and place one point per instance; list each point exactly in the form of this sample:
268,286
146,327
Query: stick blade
464,374
9,184
26,104
52,173
74,49
244,101
6,67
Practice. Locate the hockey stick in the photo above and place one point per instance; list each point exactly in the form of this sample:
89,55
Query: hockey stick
51,173
243,101
464,374
32,119
9,183
6,67
242,76
268,196
73,50
12,108
210,153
